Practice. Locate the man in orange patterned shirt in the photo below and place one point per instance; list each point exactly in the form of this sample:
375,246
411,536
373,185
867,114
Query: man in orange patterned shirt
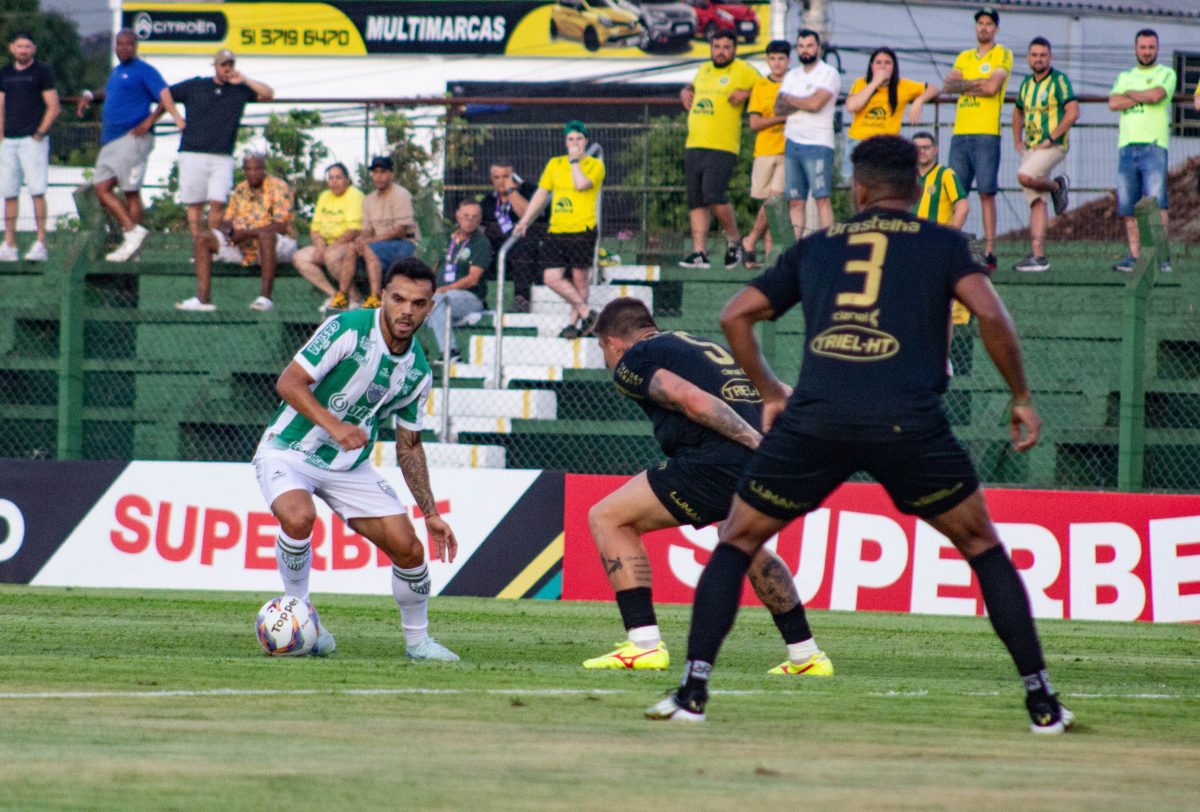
257,229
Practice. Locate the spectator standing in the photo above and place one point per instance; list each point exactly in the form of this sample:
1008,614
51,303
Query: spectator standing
215,105
1045,110
126,138
807,97
573,181
257,229
943,200
461,287
389,228
878,99
502,208
337,222
28,107
1142,95
980,76
767,176
714,101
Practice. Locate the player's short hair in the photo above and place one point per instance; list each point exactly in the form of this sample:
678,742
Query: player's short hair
1146,32
338,165
413,268
20,34
779,46
886,163
804,33
1040,41
924,134
503,163
724,33
624,316
468,201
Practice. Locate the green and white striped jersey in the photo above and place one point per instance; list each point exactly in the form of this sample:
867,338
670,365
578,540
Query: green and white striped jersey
360,381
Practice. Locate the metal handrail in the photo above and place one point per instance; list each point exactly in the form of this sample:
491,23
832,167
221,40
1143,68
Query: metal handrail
501,271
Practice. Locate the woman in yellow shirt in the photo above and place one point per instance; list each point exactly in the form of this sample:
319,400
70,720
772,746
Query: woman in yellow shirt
878,100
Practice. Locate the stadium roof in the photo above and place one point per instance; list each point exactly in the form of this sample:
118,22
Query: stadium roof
1178,9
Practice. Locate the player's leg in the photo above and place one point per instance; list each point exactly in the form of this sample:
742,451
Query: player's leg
287,487
268,260
776,588
618,522
307,266
818,167
699,218
796,185
987,169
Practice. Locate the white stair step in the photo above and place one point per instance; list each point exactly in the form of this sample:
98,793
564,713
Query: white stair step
447,455
543,299
548,325
489,425
509,372
522,403
575,353
632,273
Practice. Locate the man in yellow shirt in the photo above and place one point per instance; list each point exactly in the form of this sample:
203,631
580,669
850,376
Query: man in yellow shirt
714,101
336,223
767,176
980,76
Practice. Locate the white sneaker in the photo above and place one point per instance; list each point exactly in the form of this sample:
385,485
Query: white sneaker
326,645
430,649
129,245
262,304
8,253
195,305
669,710
37,253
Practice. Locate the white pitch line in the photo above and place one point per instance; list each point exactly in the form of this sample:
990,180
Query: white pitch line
549,692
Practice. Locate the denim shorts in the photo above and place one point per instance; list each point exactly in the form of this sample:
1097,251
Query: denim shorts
976,159
388,251
808,168
1141,172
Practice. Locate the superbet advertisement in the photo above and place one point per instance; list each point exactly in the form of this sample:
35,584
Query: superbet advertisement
1085,556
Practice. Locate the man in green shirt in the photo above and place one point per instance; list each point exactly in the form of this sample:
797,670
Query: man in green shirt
461,287
1142,95
1045,109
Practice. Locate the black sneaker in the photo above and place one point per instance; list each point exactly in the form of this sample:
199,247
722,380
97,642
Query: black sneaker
1032,264
1061,199
733,255
989,260
1046,716
588,326
697,259
572,330
520,304
455,357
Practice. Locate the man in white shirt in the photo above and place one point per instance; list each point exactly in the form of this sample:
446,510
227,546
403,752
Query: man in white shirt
807,97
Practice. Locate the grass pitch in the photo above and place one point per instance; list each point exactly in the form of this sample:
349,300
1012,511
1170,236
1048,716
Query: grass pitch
162,700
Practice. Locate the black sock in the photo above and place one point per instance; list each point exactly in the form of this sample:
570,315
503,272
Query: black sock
793,624
716,602
637,609
1008,608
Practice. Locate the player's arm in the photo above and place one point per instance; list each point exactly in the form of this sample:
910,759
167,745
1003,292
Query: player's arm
955,83
1152,96
680,395
786,103
410,456
993,84
958,214
687,95
294,385
930,93
748,307
536,204
1121,101
1000,339
760,122
474,274
1018,129
53,106
1069,117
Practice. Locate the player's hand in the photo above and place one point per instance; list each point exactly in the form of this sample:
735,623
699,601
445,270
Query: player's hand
349,436
575,151
914,114
236,78
83,104
445,545
738,96
883,77
143,128
774,402
1025,427
687,96
519,229
179,121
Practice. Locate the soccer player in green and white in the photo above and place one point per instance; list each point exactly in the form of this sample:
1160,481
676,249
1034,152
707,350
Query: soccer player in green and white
358,369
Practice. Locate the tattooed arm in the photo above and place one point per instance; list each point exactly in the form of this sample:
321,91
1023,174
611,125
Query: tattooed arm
410,456
673,392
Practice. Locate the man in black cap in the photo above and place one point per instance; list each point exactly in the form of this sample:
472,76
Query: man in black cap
389,229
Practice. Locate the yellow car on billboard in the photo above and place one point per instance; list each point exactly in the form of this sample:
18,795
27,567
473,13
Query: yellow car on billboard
593,22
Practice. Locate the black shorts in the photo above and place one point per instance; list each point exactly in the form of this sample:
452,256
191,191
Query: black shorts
706,175
697,491
574,250
925,474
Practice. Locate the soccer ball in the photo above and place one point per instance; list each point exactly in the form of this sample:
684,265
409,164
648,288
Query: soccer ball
287,626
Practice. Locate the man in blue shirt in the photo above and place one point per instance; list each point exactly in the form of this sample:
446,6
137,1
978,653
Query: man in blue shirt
127,138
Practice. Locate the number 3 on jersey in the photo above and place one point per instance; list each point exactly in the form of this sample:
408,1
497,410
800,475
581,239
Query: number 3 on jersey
871,267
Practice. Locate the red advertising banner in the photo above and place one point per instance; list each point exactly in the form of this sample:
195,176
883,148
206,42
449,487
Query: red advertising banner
1093,556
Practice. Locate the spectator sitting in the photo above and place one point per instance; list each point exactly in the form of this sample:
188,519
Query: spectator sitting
257,229
389,228
461,286
337,222
502,208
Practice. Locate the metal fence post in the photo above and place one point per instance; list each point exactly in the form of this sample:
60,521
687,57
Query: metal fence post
497,381
70,350
447,351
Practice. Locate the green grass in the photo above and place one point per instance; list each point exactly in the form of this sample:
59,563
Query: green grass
925,712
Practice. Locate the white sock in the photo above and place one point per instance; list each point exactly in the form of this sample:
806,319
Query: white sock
293,559
645,636
410,588
799,652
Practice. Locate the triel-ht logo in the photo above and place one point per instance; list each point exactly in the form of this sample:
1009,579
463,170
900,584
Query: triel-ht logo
177,26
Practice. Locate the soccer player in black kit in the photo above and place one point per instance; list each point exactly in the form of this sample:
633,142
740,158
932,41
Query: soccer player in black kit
704,412
875,292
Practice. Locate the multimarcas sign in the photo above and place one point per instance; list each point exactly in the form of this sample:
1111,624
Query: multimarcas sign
568,28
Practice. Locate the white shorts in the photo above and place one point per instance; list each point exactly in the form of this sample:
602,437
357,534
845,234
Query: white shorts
204,176
356,494
285,248
124,159
24,160
1039,163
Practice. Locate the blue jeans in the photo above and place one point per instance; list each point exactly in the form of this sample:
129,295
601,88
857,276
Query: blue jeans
389,251
807,168
1141,172
460,303
976,159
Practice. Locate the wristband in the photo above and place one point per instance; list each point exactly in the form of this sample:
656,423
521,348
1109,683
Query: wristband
1015,402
